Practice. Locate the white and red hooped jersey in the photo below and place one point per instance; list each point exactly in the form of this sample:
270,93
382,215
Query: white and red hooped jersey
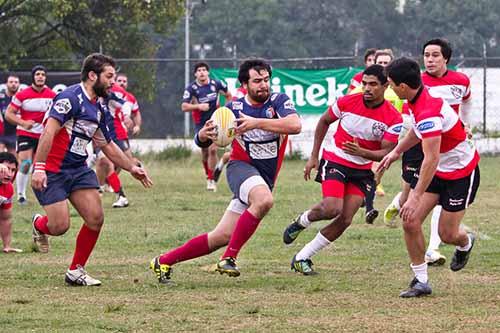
453,87
240,93
32,105
263,149
356,81
135,105
432,117
115,108
82,120
6,195
358,122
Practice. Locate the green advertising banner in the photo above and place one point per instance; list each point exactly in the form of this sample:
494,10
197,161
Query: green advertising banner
312,91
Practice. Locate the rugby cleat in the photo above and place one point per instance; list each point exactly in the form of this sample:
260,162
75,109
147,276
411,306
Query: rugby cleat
390,215
302,266
371,216
162,271
122,202
292,231
79,277
228,266
416,289
380,190
40,240
211,185
434,258
22,201
460,258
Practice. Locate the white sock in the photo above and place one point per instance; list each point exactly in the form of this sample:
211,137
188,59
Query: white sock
466,247
420,272
317,244
220,164
21,183
435,240
395,201
304,219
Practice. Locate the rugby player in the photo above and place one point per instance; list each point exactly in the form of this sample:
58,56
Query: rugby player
454,88
448,176
264,121
368,129
8,137
201,98
8,169
31,103
76,117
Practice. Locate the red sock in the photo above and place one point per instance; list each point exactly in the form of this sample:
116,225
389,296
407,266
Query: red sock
210,174
245,228
114,181
205,167
193,248
41,224
85,242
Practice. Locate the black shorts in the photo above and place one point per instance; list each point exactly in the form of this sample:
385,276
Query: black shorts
410,171
26,143
123,144
456,195
363,179
9,141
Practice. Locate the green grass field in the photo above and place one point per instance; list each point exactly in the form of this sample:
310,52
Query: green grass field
357,289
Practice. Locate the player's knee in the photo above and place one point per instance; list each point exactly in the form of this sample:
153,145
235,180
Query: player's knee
95,221
265,203
344,221
212,150
59,229
25,166
411,226
330,210
447,236
220,238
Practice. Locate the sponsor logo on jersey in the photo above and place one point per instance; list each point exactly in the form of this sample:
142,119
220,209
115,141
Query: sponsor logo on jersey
212,88
426,125
273,96
398,128
62,106
289,105
186,94
237,105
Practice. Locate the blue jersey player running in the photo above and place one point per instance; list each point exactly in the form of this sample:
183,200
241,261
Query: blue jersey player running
201,98
76,117
264,121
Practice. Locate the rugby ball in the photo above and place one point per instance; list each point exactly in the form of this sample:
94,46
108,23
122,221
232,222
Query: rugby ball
225,124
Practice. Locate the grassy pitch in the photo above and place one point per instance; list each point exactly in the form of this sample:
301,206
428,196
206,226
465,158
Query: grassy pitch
357,289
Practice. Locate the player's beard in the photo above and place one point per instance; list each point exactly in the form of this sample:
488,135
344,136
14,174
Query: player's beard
260,96
99,89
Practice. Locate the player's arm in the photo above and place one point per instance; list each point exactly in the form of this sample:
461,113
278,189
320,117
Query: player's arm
353,148
322,126
227,94
11,117
137,119
39,178
116,155
409,140
287,125
188,107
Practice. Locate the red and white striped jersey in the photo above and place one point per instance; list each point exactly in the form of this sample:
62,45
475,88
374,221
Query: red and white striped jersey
32,105
453,87
356,81
115,109
433,117
6,194
135,105
240,93
358,122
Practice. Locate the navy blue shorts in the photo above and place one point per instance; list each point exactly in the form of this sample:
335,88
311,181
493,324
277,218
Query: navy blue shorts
242,177
26,143
123,144
60,185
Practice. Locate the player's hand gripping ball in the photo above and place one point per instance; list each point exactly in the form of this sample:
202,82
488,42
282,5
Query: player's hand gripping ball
225,124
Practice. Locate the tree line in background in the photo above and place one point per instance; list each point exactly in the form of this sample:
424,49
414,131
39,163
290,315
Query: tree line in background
71,29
